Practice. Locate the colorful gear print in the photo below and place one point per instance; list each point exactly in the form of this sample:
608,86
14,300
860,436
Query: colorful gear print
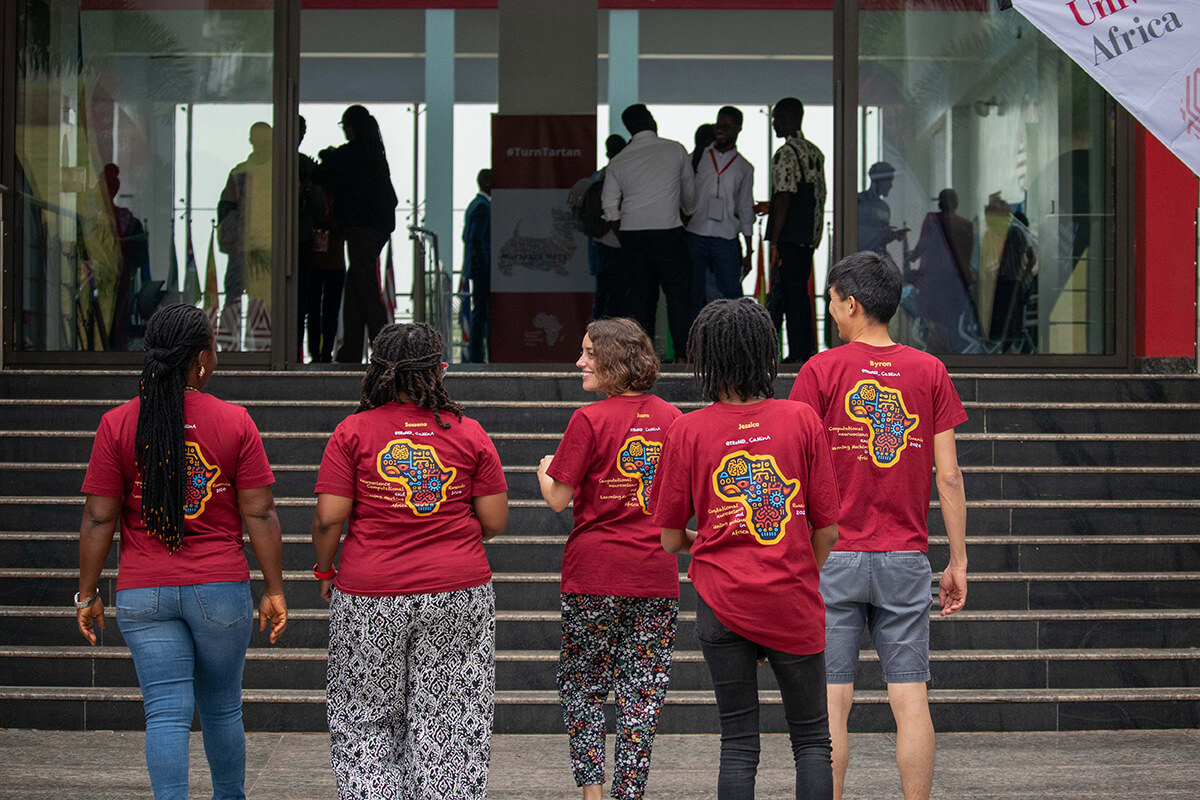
418,469
638,458
888,421
757,483
201,477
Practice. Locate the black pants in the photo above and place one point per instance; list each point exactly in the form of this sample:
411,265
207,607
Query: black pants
324,301
655,259
733,663
795,267
480,347
610,283
363,302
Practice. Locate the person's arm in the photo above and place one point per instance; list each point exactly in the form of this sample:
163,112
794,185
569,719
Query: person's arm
823,540
331,514
492,512
952,592
262,524
677,540
610,198
100,515
556,493
687,184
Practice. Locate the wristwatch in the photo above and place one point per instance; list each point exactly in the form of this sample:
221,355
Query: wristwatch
82,604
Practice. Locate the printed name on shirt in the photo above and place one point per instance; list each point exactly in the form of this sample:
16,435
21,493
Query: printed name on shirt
874,363
745,425
643,416
416,424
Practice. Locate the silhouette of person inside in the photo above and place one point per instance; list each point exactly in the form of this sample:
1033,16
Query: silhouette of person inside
1015,284
364,203
244,234
946,278
875,231
117,244
477,264
705,135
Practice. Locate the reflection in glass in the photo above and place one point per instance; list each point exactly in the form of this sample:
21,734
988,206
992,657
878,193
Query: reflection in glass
995,150
119,168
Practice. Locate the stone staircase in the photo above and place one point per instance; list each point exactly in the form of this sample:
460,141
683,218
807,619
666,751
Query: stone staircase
1084,541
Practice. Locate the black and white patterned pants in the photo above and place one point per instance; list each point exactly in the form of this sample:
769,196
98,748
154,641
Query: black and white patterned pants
411,692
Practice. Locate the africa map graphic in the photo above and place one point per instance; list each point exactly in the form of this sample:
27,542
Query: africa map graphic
418,469
888,421
638,458
201,477
757,483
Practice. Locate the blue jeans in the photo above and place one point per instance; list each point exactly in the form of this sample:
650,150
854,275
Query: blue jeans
189,647
723,258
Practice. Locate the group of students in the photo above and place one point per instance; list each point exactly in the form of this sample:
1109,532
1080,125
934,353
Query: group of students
774,486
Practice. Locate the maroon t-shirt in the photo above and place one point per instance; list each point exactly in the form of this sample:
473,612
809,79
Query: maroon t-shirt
412,529
758,478
223,453
609,454
881,407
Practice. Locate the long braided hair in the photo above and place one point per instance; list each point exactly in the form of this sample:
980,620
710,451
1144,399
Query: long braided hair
175,335
407,359
734,350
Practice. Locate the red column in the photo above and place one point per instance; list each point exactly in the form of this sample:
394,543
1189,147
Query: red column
1166,199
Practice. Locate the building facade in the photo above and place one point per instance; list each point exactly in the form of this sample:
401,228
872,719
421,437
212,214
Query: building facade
147,153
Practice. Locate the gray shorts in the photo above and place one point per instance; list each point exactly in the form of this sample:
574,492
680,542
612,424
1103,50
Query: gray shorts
890,595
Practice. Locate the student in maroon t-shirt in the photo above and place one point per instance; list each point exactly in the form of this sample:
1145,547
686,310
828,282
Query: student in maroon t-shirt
412,614
890,412
180,470
620,589
757,475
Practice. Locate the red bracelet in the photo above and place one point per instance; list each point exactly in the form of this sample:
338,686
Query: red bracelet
324,576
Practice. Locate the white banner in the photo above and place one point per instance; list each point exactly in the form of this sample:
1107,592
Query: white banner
1145,53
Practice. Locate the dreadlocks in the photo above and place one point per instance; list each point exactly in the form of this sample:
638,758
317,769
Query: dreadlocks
407,359
175,335
734,350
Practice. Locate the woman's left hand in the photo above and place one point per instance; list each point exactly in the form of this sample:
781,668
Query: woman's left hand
326,589
274,608
84,617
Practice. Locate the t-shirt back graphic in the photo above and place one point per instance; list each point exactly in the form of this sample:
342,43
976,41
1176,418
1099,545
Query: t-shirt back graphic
881,407
201,480
888,421
610,453
419,470
757,483
638,459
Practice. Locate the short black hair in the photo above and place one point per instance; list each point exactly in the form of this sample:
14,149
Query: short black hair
871,279
791,108
731,111
734,350
637,118
614,144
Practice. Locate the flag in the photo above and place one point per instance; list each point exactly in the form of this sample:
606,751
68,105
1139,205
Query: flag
760,273
388,283
1143,52
172,285
210,284
191,277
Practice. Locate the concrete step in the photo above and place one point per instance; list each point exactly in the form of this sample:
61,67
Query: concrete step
541,630
987,517
533,591
983,482
548,382
118,708
526,552
304,668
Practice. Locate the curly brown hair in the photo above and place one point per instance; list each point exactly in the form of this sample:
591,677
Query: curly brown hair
625,360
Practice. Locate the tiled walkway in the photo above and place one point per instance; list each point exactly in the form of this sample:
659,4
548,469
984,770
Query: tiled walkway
45,765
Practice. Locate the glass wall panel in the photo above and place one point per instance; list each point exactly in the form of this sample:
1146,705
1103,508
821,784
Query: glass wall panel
143,169
985,169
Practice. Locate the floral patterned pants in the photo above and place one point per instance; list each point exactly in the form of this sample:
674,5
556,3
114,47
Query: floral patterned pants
623,644
410,694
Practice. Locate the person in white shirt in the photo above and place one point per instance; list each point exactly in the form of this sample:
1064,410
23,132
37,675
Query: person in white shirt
724,208
646,187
